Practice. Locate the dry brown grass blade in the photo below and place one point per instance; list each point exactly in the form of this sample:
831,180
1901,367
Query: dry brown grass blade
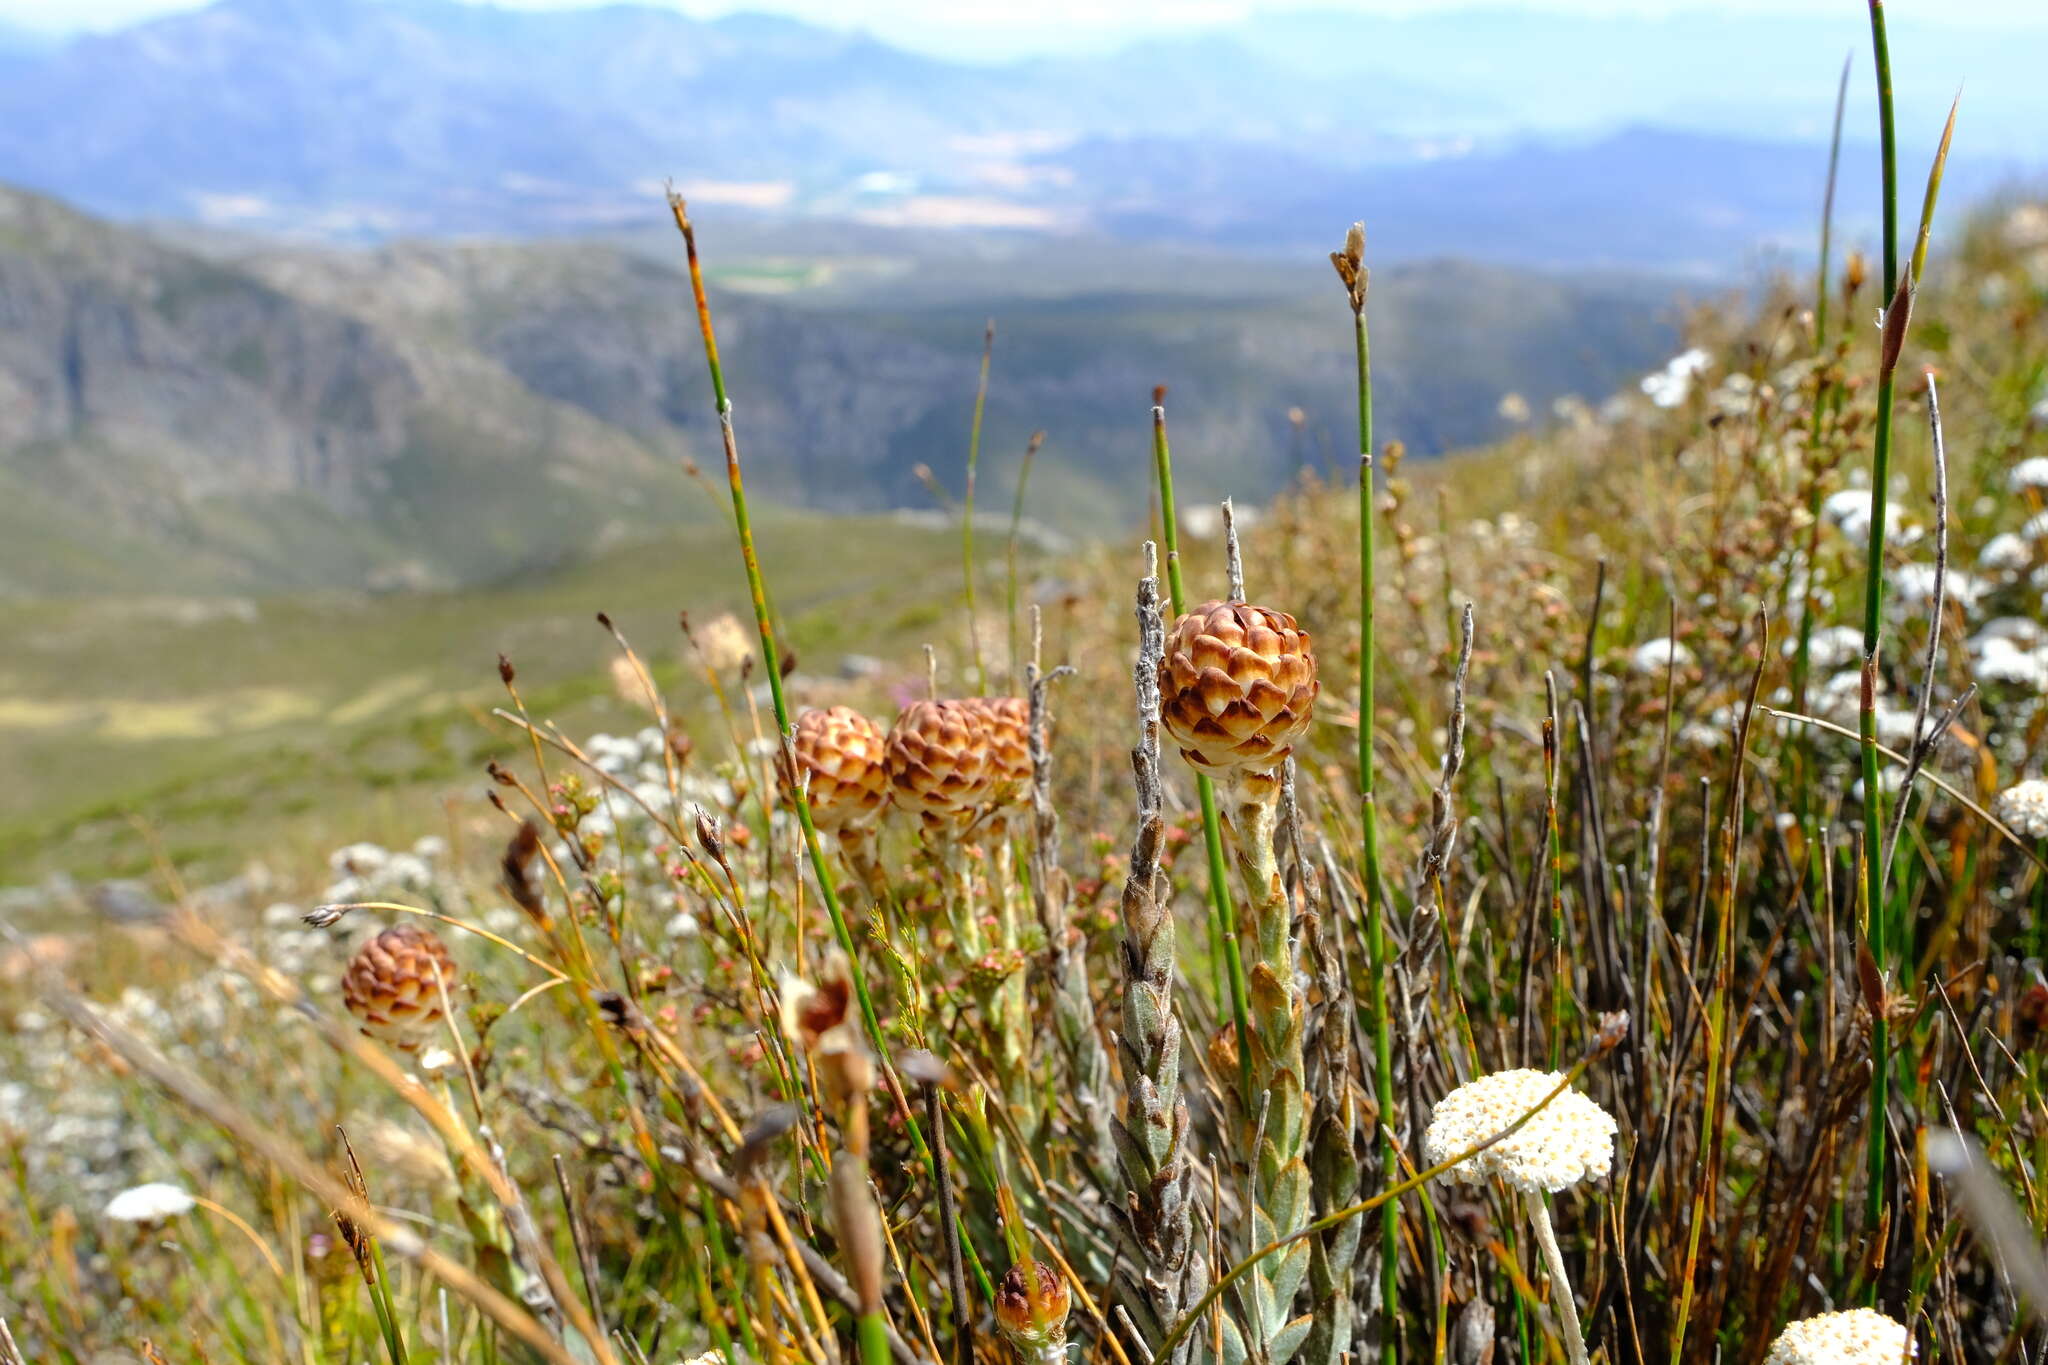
262,1139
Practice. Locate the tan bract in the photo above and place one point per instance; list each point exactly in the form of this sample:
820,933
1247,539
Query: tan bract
1237,687
2023,808
1860,1336
390,984
1569,1140
1009,746
840,753
939,761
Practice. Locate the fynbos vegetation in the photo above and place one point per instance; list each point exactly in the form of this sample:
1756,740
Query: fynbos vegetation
1579,901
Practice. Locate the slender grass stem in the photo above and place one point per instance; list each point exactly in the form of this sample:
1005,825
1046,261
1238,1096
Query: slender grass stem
1351,269
1010,553
1874,910
821,869
1802,659
988,346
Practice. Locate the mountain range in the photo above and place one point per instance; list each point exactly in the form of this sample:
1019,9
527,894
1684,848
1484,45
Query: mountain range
258,417
1680,143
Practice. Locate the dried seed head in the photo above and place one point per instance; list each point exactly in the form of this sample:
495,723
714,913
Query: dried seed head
1237,688
1032,1304
839,754
939,762
1860,1336
1569,1140
820,1018
725,643
1009,746
393,984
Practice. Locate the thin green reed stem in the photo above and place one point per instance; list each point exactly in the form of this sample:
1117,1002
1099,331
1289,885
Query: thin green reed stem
1873,606
1802,659
1212,824
822,871
1010,557
988,346
1375,910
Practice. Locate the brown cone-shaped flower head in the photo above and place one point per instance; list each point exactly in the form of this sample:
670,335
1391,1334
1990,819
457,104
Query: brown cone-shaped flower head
840,753
938,758
1009,746
1032,1303
1237,687
390,984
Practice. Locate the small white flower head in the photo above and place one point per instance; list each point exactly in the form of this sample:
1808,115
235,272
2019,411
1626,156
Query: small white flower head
708,1358
1848,511
1569,1140
2020,630
2005,553
2035,527
1831,647
1669,386
2000,661
1913,585
155,1202
1861,1336
1654,656
2023,808
2031,472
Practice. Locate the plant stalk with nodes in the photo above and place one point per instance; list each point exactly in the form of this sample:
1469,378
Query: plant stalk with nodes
1356,278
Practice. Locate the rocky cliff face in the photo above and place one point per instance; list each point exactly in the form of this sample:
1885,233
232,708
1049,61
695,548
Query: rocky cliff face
211,376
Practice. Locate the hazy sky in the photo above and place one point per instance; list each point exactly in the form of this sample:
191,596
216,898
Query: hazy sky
1033,26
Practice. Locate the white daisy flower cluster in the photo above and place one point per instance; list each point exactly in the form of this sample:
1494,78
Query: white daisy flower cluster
2023,808
1860,1336
155,1202
635,761
1654,656
1569,1140
371,872
2005,553
2031,472
1668,387
1848,511
1912,586
1998,660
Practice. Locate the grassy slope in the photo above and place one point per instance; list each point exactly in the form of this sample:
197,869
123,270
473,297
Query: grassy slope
235,728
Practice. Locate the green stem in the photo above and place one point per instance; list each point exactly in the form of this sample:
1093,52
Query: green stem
874,1339
988,346
1010,555
1212,823
1802,659
1873,606
1375,909
820,869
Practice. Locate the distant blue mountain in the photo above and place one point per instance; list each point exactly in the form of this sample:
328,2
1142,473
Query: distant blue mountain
1683,142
